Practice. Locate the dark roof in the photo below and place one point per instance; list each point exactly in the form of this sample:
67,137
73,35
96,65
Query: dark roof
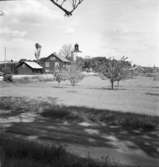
61,58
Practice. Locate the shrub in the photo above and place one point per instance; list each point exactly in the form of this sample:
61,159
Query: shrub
7,78
60,113
74,74
130,120
144,122
59,76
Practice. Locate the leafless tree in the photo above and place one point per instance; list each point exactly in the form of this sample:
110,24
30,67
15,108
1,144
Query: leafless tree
66,51
115,70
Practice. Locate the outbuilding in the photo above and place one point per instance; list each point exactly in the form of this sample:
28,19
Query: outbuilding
29,68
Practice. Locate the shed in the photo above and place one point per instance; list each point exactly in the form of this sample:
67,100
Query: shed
29,67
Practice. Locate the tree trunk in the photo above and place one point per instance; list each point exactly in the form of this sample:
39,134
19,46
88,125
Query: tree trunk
112,84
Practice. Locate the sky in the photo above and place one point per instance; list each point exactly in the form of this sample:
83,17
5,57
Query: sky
108,28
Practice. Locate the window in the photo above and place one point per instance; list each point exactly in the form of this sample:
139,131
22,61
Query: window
52,58
47,64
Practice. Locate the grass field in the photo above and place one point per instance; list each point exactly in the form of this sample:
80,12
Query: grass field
139,95
88,120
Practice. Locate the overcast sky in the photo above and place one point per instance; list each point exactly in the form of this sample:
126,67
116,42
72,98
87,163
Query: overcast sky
101,28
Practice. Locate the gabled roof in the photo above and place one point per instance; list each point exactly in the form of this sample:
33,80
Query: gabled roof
30,64
137,68
33,65
60,57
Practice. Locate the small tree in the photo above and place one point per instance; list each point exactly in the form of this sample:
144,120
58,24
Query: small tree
74,73
58,77
58,73
115,70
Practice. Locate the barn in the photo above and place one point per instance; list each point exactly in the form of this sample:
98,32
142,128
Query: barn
49,63
29,68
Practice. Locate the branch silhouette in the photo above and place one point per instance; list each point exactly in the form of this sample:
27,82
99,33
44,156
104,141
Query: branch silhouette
60,4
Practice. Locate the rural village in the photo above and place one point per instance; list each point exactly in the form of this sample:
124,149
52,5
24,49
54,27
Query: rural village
68,109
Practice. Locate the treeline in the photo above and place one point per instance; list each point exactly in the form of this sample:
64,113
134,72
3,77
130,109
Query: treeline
95,64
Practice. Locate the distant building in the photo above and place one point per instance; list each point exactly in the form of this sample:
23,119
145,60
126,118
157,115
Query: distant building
29,68
52,61
76,52
8,66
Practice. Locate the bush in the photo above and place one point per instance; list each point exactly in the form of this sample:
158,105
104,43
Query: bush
144,122
130,120
74,74
7,78
60,75
60,113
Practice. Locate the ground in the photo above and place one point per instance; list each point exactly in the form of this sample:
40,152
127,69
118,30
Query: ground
139,95
88,137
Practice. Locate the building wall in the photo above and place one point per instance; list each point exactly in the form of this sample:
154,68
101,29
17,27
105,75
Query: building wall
8,68
24,69
49,64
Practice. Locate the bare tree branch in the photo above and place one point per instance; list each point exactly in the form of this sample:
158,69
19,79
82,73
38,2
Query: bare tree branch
75,4
60,5
68,13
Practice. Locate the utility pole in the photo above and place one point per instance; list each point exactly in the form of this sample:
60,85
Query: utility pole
5,56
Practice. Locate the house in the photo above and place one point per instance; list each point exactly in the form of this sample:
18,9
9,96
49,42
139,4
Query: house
29,67
49,63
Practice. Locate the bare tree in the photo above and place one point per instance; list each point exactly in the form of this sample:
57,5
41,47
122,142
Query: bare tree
73,74
62,5
66,51
115,70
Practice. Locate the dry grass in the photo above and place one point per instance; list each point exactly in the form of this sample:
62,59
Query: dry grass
126,120
17,153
